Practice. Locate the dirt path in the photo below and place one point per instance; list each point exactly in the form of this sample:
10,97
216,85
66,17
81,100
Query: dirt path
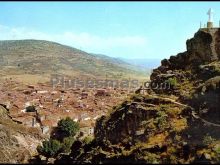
194,114
169,99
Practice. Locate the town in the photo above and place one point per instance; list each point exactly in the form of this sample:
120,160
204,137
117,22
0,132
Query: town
41,106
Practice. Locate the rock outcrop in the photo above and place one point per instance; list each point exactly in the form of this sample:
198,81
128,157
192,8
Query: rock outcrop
178,123
17,143
203,48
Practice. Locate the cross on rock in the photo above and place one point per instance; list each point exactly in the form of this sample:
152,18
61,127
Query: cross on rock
210,13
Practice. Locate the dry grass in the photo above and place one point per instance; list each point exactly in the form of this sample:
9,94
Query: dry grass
29,78
158,139
178,124
14,127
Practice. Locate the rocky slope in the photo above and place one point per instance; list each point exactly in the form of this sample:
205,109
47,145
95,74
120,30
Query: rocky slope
17,143
178,123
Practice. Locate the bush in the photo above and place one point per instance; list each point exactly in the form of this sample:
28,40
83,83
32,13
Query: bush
30,108
161,120
87,139
68,127
172,82
50,148
207,140
67,144
217,150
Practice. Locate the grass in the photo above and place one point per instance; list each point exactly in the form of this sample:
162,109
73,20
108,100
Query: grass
178,125
158,139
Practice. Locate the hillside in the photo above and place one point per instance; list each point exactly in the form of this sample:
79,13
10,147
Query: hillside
18,143
23,58
144,63
176,124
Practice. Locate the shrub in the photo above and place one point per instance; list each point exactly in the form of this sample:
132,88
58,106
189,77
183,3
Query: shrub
68,127
67,144
87,139
30,108
207,140
161,120
50,148
172,82
217,150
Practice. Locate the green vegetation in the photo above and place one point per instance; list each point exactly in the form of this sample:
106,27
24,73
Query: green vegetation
172,81
207,140
67,144
50,148
30,108
161,120
88,139
68,127
217,150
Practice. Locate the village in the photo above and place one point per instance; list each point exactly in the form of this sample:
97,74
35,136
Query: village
42,106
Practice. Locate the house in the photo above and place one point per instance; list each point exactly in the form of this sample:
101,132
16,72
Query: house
75,119
86,131
96,117
87,118
102,92
49,123
28,121
87,127
42,92
23,110
30,86
45,129
84,95
54,92
27,92
27,104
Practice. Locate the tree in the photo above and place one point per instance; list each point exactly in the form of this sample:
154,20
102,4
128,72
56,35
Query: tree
50,148
68,127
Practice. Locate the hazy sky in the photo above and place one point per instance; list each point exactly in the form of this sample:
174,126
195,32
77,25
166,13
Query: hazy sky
118,29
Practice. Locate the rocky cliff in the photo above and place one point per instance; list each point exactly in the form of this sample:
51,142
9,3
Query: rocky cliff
178,123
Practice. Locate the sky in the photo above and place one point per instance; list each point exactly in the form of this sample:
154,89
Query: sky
150,30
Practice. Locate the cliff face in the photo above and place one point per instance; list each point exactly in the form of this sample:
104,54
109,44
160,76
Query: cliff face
137,119
179,124
201,49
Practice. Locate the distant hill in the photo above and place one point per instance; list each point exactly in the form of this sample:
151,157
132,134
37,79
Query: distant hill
43,58
127,63
143,63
